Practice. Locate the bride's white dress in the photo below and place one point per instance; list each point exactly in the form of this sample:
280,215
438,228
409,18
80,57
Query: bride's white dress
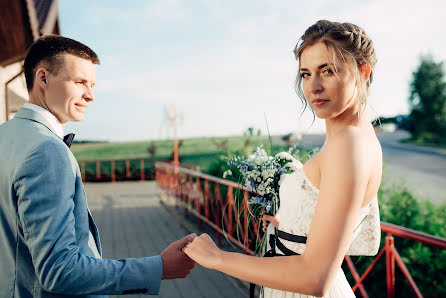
298,199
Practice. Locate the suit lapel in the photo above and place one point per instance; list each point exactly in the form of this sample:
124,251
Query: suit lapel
94,232
29,114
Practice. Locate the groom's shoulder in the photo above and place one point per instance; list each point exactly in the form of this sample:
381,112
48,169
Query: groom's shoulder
46,153
31,139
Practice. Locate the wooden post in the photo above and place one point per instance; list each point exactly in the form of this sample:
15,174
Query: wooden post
83,170
206,199
198,201
113,174
218,210
390,266
230,197
127,168
141,166
176,161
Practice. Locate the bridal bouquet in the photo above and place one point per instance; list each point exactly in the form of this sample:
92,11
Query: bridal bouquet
263,174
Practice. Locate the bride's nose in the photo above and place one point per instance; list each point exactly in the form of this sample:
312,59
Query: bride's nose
316,85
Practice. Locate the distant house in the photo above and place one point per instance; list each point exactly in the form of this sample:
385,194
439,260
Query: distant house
21,23
291,139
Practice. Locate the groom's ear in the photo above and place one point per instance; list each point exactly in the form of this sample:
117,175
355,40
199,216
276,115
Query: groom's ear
41,78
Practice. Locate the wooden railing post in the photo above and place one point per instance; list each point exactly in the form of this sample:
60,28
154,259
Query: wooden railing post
230,198
141,166
113,174
127,168
390,266
158,180
206,199
83,170
219,210
198,201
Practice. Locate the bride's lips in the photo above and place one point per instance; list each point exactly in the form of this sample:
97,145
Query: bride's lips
319,101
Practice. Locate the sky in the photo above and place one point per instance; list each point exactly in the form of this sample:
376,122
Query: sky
228,65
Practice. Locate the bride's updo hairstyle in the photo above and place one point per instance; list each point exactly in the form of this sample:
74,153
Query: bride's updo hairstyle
349,43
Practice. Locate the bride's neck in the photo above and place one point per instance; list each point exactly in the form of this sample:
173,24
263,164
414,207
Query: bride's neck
335,125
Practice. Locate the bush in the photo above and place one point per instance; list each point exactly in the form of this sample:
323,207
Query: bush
426,264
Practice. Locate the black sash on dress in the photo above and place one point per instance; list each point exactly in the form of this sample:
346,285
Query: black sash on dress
275,241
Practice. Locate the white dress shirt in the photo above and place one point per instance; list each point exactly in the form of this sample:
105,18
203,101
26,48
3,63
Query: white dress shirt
57,128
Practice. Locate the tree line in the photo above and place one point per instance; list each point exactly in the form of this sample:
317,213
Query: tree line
427,119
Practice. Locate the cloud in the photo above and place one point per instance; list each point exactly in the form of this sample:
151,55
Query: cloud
235,57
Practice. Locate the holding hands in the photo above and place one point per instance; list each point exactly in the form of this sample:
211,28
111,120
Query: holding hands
176,264
204,251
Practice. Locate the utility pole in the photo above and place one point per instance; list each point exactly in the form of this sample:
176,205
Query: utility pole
173,117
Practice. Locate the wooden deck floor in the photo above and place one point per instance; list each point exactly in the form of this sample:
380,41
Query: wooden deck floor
133,223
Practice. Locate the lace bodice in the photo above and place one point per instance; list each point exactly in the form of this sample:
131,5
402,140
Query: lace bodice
298,200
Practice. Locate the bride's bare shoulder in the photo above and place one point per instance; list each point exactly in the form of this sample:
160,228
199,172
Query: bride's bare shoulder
354,144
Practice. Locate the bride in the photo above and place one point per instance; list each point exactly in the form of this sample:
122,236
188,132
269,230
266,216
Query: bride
329,207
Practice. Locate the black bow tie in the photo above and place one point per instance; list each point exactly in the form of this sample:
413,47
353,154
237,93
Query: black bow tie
68,139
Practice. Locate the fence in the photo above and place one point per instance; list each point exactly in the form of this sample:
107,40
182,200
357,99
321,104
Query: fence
202,195
120,169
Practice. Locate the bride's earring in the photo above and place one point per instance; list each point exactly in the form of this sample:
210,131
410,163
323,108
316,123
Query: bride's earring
362,100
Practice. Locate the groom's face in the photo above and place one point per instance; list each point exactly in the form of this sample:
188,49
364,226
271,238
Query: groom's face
70,90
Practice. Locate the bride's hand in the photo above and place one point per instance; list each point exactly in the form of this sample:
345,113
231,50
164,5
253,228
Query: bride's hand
204,251
266,219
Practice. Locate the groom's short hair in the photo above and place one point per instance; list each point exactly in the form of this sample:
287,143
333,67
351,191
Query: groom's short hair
48,50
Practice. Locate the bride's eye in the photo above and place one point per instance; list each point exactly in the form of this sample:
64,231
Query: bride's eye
327,71
304,75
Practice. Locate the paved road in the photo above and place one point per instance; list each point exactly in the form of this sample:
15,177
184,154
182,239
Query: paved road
422,170
133,223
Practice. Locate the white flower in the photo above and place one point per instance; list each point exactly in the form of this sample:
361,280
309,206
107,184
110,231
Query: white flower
282,177
265,174
284,155
294,165
259,156
227,173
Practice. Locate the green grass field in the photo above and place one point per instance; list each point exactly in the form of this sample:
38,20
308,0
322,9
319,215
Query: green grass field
195,151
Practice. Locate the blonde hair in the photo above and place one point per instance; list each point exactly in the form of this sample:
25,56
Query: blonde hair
349,43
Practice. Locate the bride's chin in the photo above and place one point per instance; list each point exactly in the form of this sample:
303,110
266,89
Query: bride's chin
325,115
322,116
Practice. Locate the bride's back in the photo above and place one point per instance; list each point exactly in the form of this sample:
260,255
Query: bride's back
367,137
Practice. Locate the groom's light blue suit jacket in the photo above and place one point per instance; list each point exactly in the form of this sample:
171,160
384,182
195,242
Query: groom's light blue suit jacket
45,222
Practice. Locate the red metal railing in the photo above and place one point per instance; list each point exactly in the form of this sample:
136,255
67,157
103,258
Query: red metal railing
393,256
193,190
185,186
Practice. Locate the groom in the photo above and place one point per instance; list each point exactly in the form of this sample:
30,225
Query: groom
49,243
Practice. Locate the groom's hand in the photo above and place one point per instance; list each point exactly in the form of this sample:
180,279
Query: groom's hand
176,264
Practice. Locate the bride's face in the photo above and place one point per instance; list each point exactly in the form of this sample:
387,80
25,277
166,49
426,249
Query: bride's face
327,82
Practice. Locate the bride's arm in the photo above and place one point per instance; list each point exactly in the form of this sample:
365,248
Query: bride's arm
345,171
